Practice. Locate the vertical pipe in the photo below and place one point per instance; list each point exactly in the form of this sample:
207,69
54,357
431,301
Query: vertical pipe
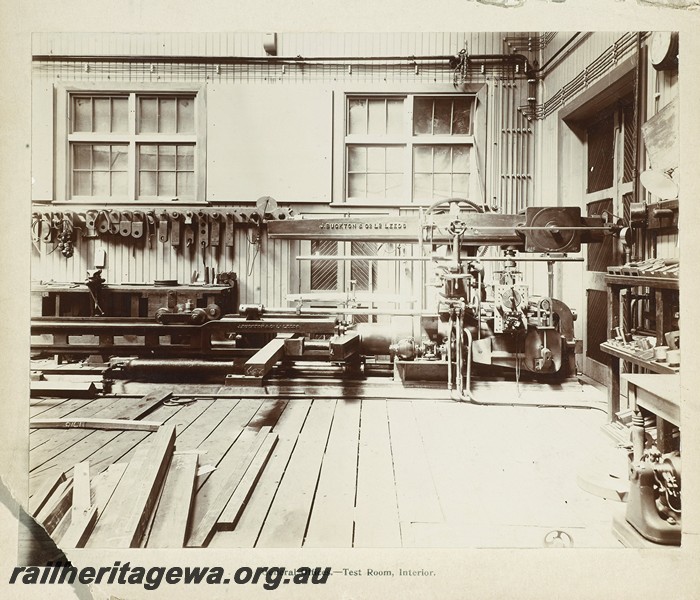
513,146
450,326
521,158
509,134
469,361
509,142
501,150
458,344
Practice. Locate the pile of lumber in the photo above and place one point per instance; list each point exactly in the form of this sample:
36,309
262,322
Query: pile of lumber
147,501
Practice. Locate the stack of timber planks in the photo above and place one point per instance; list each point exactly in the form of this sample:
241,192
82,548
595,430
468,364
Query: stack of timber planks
150,499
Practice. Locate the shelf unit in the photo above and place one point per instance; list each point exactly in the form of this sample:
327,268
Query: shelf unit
664,290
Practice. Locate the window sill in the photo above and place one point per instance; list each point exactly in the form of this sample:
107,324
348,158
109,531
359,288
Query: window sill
135,204
379,205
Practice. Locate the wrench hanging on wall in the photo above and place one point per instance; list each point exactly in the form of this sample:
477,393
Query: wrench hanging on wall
137,224
203,222
214,229
125,223
175,226
90,224
163,227
188,233
229,240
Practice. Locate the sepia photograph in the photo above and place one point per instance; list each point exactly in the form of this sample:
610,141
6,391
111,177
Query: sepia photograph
372,298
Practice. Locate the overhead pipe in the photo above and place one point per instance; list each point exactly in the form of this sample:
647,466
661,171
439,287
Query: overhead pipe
452,60
540,71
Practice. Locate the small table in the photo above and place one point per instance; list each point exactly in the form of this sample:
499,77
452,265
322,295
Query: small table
659,394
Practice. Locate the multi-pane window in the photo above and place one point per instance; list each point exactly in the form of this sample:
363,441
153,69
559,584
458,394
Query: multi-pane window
132,146
100,169
408,148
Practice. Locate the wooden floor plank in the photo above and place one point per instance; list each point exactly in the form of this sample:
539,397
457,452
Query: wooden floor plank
56,506
123,519
229,517
415,491
101,489
376,512
125,444
104,484
269,413
38,406
74,408
215,447
101,447
202,427
187,415
240,422
442,426
44,491
285,525
206,494
116,409
93,423
237,460
171,519
252,518
332,518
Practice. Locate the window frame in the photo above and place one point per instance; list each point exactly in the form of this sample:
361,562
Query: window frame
408,140
65,138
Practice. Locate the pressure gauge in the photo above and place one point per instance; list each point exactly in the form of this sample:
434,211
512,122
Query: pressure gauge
663,50
510,299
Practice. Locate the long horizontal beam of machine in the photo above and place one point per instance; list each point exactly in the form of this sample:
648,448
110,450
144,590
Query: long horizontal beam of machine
348,311
441,258
83,326
482,229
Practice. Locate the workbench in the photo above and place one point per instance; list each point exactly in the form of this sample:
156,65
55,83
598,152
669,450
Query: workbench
660,395
125,300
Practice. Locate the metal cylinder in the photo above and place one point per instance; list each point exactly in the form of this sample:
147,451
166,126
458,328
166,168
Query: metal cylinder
165,370
376,338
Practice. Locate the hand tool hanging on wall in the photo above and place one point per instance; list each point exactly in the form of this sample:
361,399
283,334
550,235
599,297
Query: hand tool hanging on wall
203,220
137,224
114,221
47,230
175,226
151,227
229,240
189,231
56,222
214,229
36,230
163,227
90,219
203,223
65,237
125,224
102,221
78,220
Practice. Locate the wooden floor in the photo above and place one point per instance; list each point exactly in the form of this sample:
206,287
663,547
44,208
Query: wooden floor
419,472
